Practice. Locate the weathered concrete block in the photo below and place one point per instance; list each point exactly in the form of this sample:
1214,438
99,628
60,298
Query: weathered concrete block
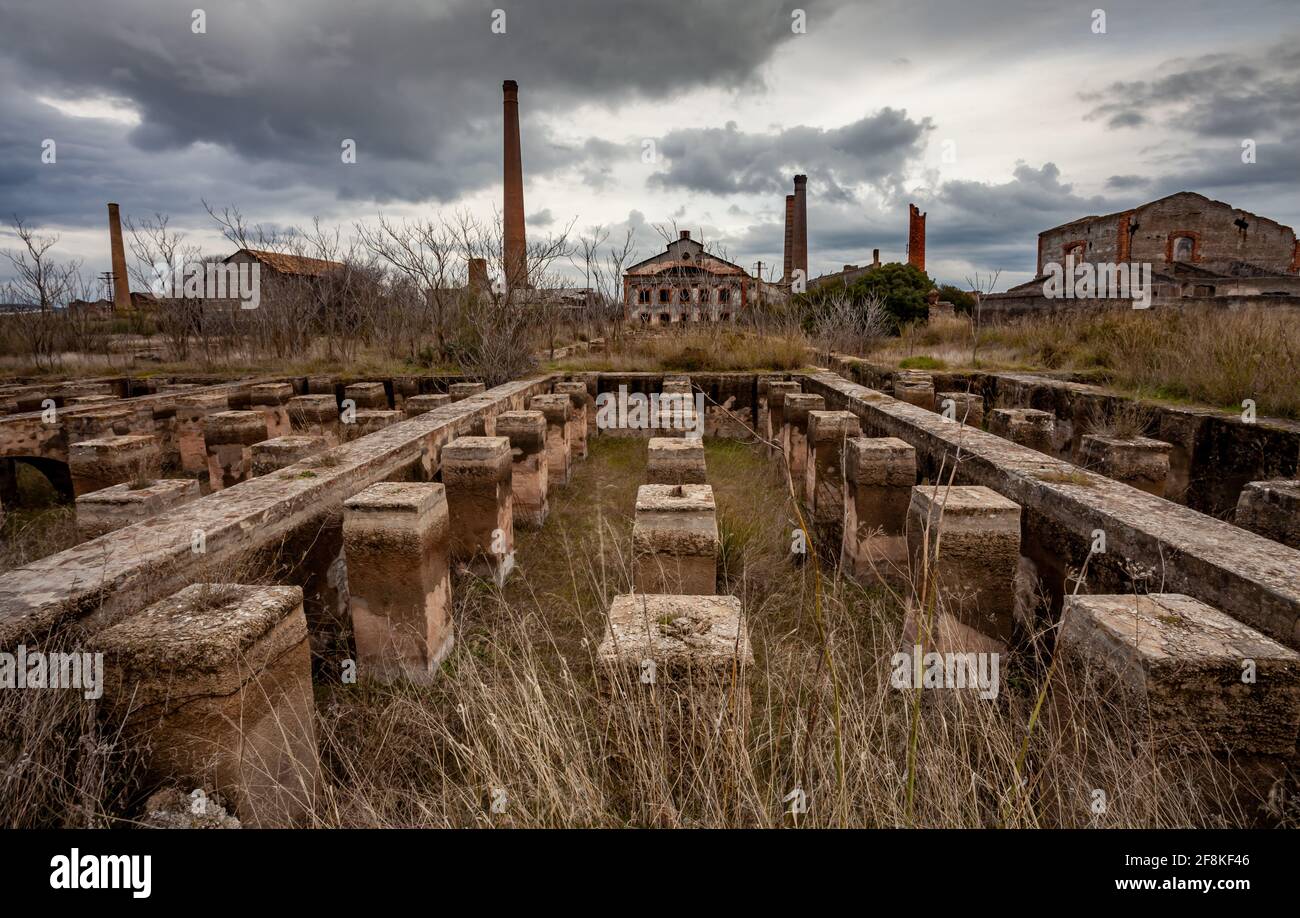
82,401
463,390
122,505
828,432
421,404
191,410
320,385
215,682
315,415
278,453
686,642
963,407
230,436
774,415
529,475
680,385
369,395
915,388
583,404
968,539
675,540
107,461
1139,461
881,473
1272,509
1201,677
676,460
366,421
1026,426
396,537
477,472
557,409
273,400
794,434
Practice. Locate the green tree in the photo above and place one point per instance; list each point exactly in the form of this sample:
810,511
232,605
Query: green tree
902,289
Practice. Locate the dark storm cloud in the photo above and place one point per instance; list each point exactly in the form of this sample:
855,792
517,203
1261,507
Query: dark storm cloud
728,160
417,86
1215,95
1127,182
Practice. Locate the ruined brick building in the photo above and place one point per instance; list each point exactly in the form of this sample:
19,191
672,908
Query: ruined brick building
684,283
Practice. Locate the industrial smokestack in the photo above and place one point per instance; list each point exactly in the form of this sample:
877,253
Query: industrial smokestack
121,288
801,225
512,212
915,237
789,237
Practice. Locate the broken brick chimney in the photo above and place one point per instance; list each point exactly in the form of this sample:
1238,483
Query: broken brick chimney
915,237
478,275
515,255
789,238
121,288
800,261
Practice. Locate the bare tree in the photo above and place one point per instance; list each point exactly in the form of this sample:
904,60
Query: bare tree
980,287
43,283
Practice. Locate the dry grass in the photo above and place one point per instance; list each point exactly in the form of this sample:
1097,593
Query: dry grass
1207,356
697,349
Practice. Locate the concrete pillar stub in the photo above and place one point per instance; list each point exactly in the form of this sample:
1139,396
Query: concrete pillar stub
676,460
366,421
315,415
977,532
273,400
557,409
881,473
915,388
107,461
1179,662
477,473
122,505
229,436
191,410
774,415
215,682
1137,461
675,540
280,452
396,537
462,390
529,476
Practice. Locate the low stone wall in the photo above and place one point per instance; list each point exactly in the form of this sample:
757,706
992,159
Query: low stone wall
97,582
1163,546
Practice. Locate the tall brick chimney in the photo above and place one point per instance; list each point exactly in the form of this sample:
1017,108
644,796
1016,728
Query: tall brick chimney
789,238
800,260
515,255
915,237
121,287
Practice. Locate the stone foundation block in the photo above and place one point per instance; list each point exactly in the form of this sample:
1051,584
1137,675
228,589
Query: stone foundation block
529,476
320,385
273,400
315,415
122,505
881,474
477,473
675,540
1026,426
915,388
966,540
557,409
107,461
396,537
191,410
281,452
1140,461
1202,677
828,433
675,461
215,683
368,420
963,407
1272,509
675,642
463,390
368,395
230,436
794,434
421,404
774,416
583,405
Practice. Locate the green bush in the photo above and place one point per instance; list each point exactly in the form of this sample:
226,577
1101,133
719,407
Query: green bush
961,300
902,288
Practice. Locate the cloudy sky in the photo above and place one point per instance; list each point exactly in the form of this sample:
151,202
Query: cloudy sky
999,118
